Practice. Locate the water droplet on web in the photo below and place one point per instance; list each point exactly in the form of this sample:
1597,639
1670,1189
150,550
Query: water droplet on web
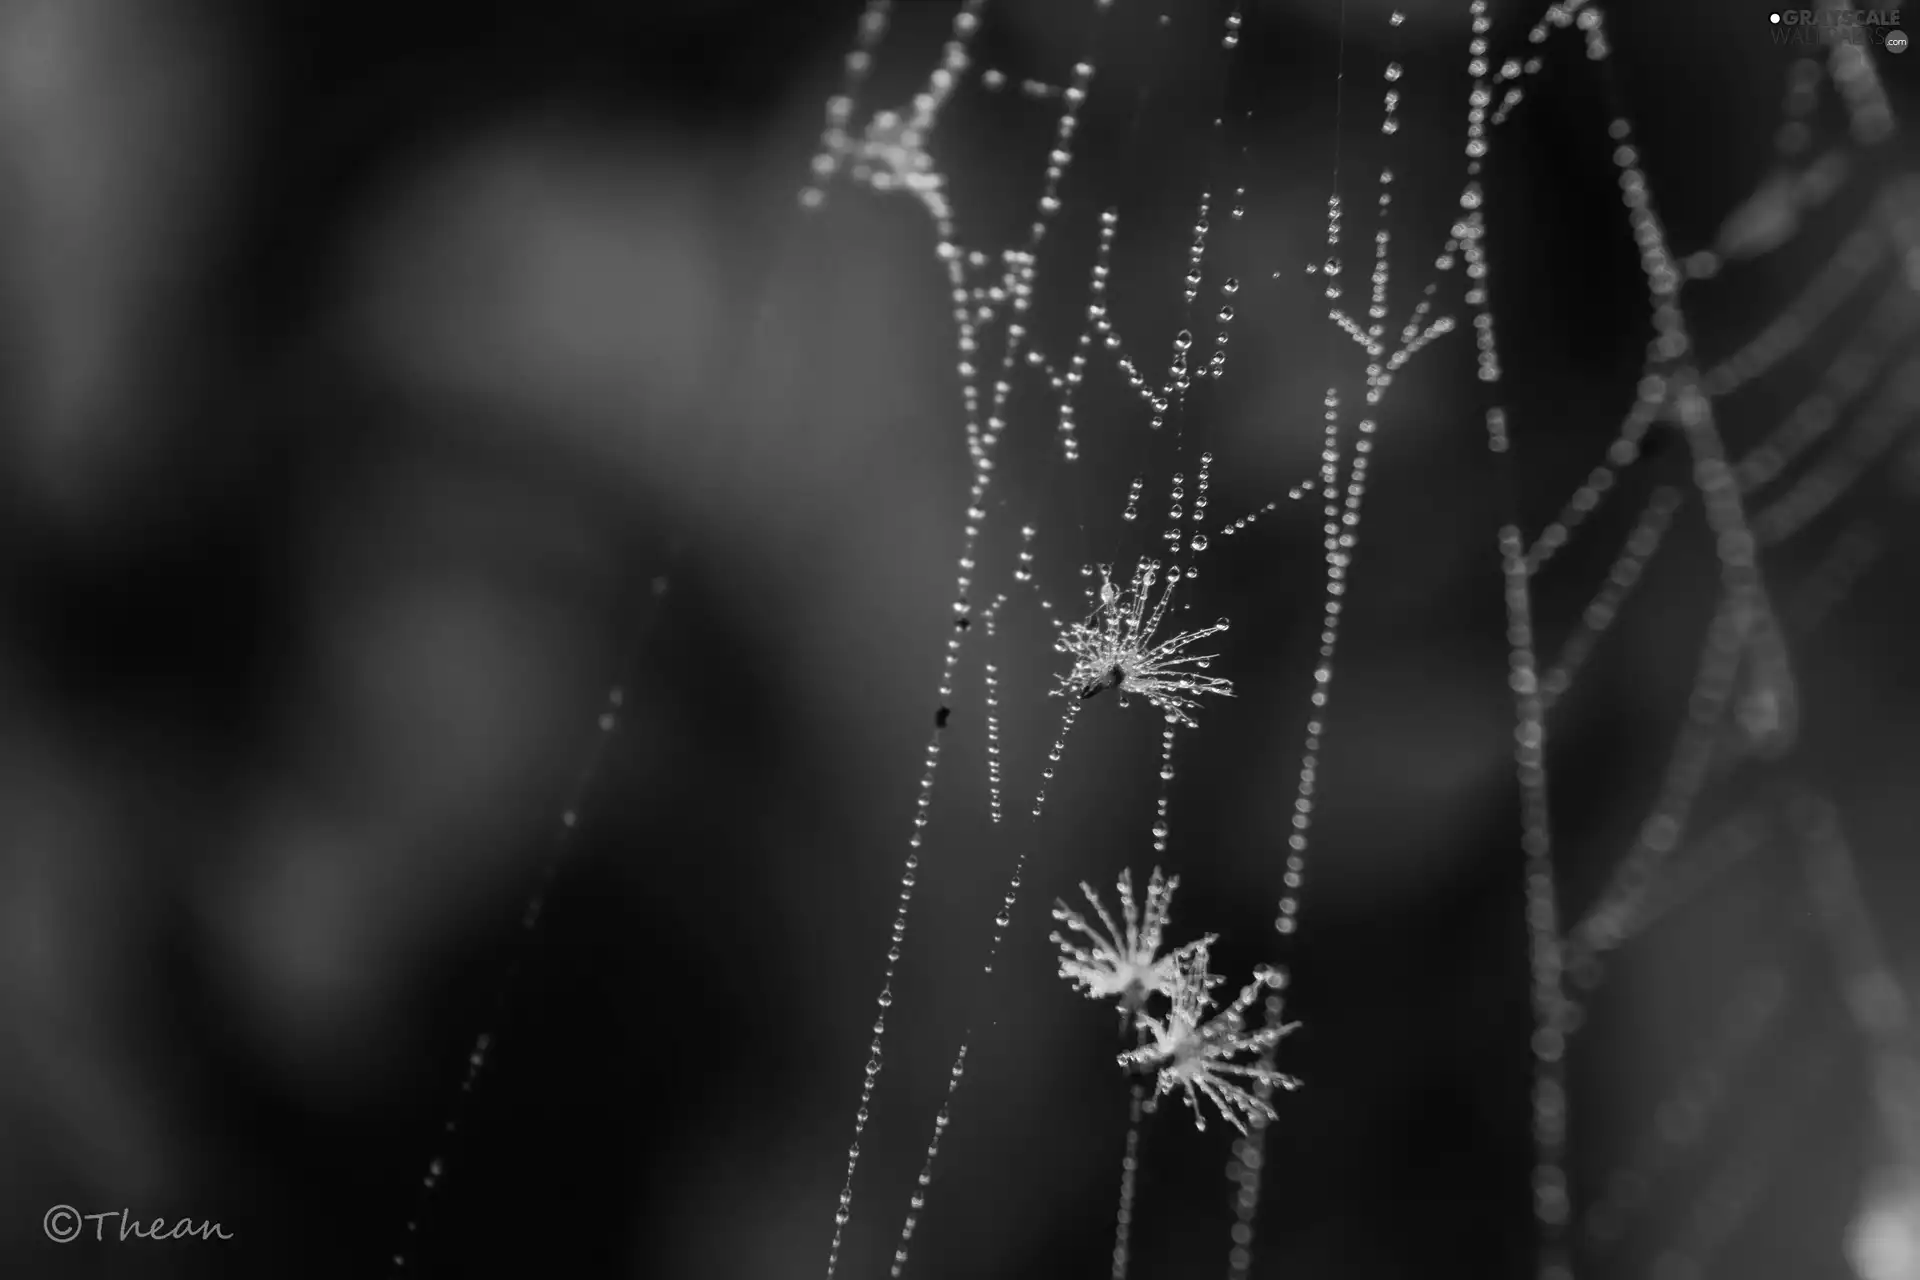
1199,542
1226,314
1183,340
1393,71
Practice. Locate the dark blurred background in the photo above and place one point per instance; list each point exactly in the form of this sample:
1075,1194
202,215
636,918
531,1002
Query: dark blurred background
384,382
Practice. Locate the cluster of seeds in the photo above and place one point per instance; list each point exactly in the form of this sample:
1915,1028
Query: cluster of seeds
1191,1047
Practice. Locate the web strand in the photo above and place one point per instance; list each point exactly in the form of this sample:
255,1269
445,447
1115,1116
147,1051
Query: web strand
1743,701
1745,652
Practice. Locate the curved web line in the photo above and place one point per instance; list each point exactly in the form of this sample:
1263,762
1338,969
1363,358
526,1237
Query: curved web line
1745,651
1743,664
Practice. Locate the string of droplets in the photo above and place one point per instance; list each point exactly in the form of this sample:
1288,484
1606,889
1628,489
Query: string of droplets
1551,1197
904,166
891,156
1022,575
1494,416
1179,540
1639,898
835,145
1341,512
1601,611
1743,620
1066,383
1684,1117
1744,626
1550,1192
1129,1178
1852,372
943,1118
479,1055
1743,632
1139,1102
1179,380
1764,223
1099,322
1875,1000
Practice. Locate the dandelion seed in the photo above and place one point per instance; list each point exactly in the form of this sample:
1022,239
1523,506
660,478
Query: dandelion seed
1124,962
1197,1054
1114,648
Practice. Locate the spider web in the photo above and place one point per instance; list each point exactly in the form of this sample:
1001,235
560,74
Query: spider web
1764,483
1799,503
1764,480
1735,799
890,156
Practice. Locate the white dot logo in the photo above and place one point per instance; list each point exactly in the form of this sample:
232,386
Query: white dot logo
1774,18
1896,42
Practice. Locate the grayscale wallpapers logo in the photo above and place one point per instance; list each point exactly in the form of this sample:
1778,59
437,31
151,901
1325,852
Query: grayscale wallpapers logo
1854,26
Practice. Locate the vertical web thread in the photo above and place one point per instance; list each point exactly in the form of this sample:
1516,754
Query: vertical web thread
892,156
1547,993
